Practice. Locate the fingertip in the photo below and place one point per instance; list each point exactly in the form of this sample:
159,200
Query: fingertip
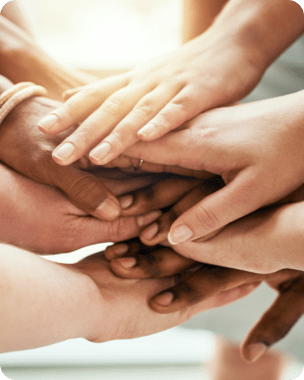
109,210
48,124
64,154
253,352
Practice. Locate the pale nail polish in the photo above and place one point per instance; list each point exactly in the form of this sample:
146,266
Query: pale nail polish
150,231
143,220
125,201
147,130
255,351
164,299
101,151
127,262
64,152
180,234
120,249
48,123
108,210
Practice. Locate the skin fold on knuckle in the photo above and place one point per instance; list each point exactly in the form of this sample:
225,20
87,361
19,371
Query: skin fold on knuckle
206,219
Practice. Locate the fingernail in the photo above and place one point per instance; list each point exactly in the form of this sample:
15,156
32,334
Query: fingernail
255,351
147,130
101,151
64,152
180,234
48,122
108,209
164,299
120,249
150,231
143,220
127,262
125,201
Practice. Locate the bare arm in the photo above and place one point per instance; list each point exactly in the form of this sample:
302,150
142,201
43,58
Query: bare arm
198,15
13,12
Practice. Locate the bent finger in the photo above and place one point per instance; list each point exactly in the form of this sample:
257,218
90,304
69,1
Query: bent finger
200,285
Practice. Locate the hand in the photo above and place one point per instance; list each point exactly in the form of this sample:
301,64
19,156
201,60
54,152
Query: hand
255,147
197,283
28,151
40,218
246,244
154,98
130,299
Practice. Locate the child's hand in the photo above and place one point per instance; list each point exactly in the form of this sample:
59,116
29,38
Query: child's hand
152,99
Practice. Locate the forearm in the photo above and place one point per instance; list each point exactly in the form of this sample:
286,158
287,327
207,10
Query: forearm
23,60
12,12
198,15
42,302
262,28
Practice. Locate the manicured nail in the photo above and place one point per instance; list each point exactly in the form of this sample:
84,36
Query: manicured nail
64,152
147,130
150,231
143,220
164,299
101,151
255,351
120,249
48,123
127,262
108,210
125,201
180,234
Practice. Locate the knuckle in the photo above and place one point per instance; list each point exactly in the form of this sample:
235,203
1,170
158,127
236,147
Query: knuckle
144,107
113,105
84,189
82,139
206,219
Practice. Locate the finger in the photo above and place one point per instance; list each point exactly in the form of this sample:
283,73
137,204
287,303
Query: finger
240,197
72,91
155,197
125,133
158,231
99,124
128,162
278,320
81,105
181,109
150,262
87,193
200,285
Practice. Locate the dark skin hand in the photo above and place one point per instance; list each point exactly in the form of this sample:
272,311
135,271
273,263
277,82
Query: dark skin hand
196,282
28,151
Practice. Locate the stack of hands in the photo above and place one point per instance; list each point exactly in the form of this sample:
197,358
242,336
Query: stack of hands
214,210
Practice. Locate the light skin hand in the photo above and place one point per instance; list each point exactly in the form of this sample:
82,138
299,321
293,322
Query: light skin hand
219,67
40,307
257,151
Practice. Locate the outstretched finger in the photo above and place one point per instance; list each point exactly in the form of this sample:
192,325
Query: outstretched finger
124,134
278,320
78,107
99,124
183,107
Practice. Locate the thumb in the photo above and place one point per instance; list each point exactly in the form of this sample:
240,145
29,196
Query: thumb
87,193
239,198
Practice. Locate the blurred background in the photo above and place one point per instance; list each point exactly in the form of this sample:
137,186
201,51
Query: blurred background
114,35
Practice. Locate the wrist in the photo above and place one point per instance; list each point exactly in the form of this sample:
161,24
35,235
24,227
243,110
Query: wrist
260,29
